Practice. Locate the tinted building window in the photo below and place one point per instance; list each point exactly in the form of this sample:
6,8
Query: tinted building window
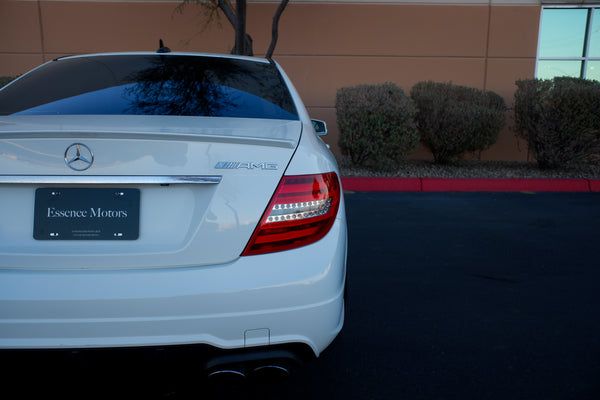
569,43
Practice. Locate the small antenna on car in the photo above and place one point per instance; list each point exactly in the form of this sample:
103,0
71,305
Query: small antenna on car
162,48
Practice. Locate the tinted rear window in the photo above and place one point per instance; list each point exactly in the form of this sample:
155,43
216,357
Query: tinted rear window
151,85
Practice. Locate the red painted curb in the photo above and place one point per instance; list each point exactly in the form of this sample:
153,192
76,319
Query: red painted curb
505,185
468,185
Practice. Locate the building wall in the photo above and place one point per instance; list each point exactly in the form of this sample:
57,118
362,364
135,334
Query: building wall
323,45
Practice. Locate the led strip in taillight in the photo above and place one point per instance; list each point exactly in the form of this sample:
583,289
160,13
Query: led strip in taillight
296,211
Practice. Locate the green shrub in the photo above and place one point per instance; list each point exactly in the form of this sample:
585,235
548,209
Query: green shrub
376,124
454,120
559,119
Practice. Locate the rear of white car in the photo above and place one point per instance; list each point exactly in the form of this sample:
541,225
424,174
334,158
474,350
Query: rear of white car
145,222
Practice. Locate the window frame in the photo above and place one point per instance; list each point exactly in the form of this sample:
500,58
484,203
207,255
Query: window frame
585,58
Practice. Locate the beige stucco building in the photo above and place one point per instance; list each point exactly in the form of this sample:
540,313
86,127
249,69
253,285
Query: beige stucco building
323,45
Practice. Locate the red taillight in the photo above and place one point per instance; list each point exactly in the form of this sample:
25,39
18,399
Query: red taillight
301,212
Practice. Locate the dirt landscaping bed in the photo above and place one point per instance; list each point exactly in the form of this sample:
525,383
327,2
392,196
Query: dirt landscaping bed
473,169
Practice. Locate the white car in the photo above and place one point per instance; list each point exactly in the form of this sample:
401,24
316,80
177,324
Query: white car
156,199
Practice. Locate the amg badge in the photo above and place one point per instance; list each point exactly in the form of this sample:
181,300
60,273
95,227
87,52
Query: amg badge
246,165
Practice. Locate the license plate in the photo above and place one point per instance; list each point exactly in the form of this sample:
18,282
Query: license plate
86,214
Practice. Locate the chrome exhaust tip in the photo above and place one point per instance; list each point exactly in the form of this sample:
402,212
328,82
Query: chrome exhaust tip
227,375
271,372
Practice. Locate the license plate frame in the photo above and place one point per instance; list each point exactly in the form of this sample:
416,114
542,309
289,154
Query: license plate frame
86,214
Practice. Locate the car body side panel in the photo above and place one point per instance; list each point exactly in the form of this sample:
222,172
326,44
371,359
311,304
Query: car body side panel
312,155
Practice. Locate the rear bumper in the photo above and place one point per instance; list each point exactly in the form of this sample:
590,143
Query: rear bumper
281,298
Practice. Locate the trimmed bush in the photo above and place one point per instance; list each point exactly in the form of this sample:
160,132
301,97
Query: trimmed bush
376,124
559,119
454,120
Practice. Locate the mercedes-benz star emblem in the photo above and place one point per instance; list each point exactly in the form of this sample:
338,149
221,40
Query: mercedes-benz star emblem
79,157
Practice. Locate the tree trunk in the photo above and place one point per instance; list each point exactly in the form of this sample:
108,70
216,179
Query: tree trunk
275,28
240,27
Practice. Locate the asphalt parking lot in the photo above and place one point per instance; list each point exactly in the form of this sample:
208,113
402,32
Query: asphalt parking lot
465,296
473,296
452,296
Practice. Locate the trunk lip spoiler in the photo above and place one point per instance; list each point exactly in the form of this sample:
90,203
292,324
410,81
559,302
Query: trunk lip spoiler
112,179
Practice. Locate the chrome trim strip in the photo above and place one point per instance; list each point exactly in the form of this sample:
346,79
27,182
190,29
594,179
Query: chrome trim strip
111,179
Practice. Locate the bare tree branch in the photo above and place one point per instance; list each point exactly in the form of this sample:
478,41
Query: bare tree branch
227,9
275,28
244,43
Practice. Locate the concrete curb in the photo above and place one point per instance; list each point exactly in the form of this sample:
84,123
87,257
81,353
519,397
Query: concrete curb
353,183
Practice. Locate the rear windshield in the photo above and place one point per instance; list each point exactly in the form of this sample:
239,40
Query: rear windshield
151,85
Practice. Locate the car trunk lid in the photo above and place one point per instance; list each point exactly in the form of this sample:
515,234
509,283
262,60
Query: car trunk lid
203,184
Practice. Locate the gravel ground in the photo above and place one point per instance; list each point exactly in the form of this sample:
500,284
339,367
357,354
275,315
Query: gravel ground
472,169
